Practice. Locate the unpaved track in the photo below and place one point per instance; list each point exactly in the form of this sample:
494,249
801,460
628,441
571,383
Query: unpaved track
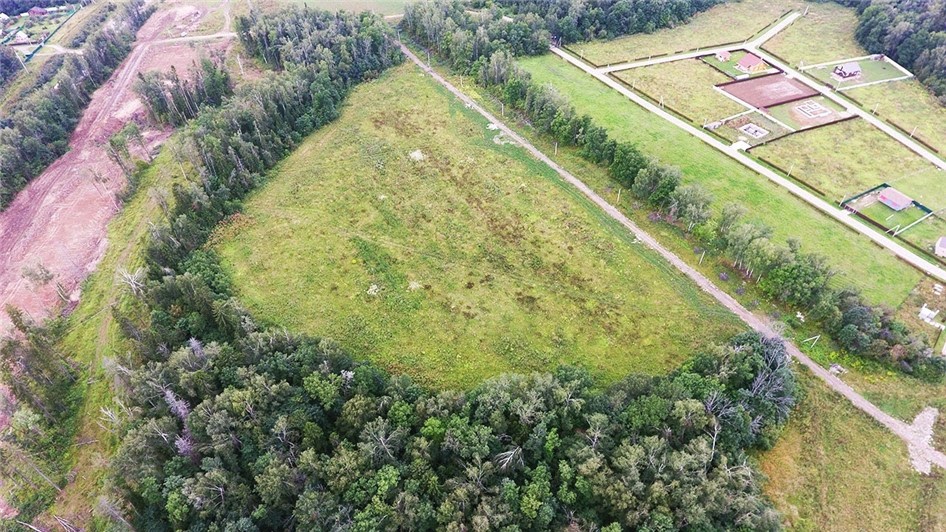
59,220
916,437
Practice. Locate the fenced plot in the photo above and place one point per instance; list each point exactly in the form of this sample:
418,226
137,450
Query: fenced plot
749,128
686,86
908,106
808,112
849,74
768,91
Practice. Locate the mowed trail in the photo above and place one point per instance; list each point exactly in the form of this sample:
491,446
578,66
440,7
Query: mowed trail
59,221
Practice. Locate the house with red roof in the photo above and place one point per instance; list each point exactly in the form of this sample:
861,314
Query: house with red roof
37,11
750,64
894,199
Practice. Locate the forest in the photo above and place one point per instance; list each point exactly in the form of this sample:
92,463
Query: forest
37,130
911,32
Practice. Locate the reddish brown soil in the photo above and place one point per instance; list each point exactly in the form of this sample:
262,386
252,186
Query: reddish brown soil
59,221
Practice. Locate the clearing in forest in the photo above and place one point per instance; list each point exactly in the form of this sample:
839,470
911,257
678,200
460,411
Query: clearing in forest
414,234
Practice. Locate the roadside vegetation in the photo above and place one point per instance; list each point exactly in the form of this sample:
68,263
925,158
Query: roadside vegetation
909,106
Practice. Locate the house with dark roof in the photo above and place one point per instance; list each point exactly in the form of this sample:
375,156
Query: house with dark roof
750,64
846,71
894,199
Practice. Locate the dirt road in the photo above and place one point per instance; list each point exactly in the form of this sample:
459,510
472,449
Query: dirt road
917,436
58,222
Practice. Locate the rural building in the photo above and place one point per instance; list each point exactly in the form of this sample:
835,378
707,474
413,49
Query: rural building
941,247
894,199
751,63
36,11
4,17
723,56
848,70
21,38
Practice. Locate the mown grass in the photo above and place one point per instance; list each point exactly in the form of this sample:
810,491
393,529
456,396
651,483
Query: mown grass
908,105
687,86
871,71
725,23
879,275
475,261
825,34
847,158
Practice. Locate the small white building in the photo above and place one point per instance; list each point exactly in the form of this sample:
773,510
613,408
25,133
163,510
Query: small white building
940,249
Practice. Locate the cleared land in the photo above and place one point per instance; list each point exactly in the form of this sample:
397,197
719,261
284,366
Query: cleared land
808,113
725,23
769,91
845,159
746,128
685,86
410,232
825,34
908,105
878,274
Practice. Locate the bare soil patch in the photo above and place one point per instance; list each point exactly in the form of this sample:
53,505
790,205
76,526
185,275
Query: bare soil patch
768,91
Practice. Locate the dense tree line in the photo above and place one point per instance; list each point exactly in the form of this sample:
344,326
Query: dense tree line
572,21
784,272
92,23
37,130
912,32
173,100
9,65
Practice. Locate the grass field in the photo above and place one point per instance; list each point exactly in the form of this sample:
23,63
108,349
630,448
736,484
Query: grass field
834,469
883,214
724,23
686,86
788,114
871,71
825,34
882,277
844,159
474,261
909,105
384,7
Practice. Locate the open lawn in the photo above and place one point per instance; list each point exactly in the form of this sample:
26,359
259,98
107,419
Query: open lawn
686,86
871,71
844,159
412,234
384,7
883,214
722,24
878,274
908,105
825,34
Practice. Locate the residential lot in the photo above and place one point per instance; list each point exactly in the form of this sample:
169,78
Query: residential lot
808,112
871,71
877,273
909,106
409,211
686,86
844,159
769,91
